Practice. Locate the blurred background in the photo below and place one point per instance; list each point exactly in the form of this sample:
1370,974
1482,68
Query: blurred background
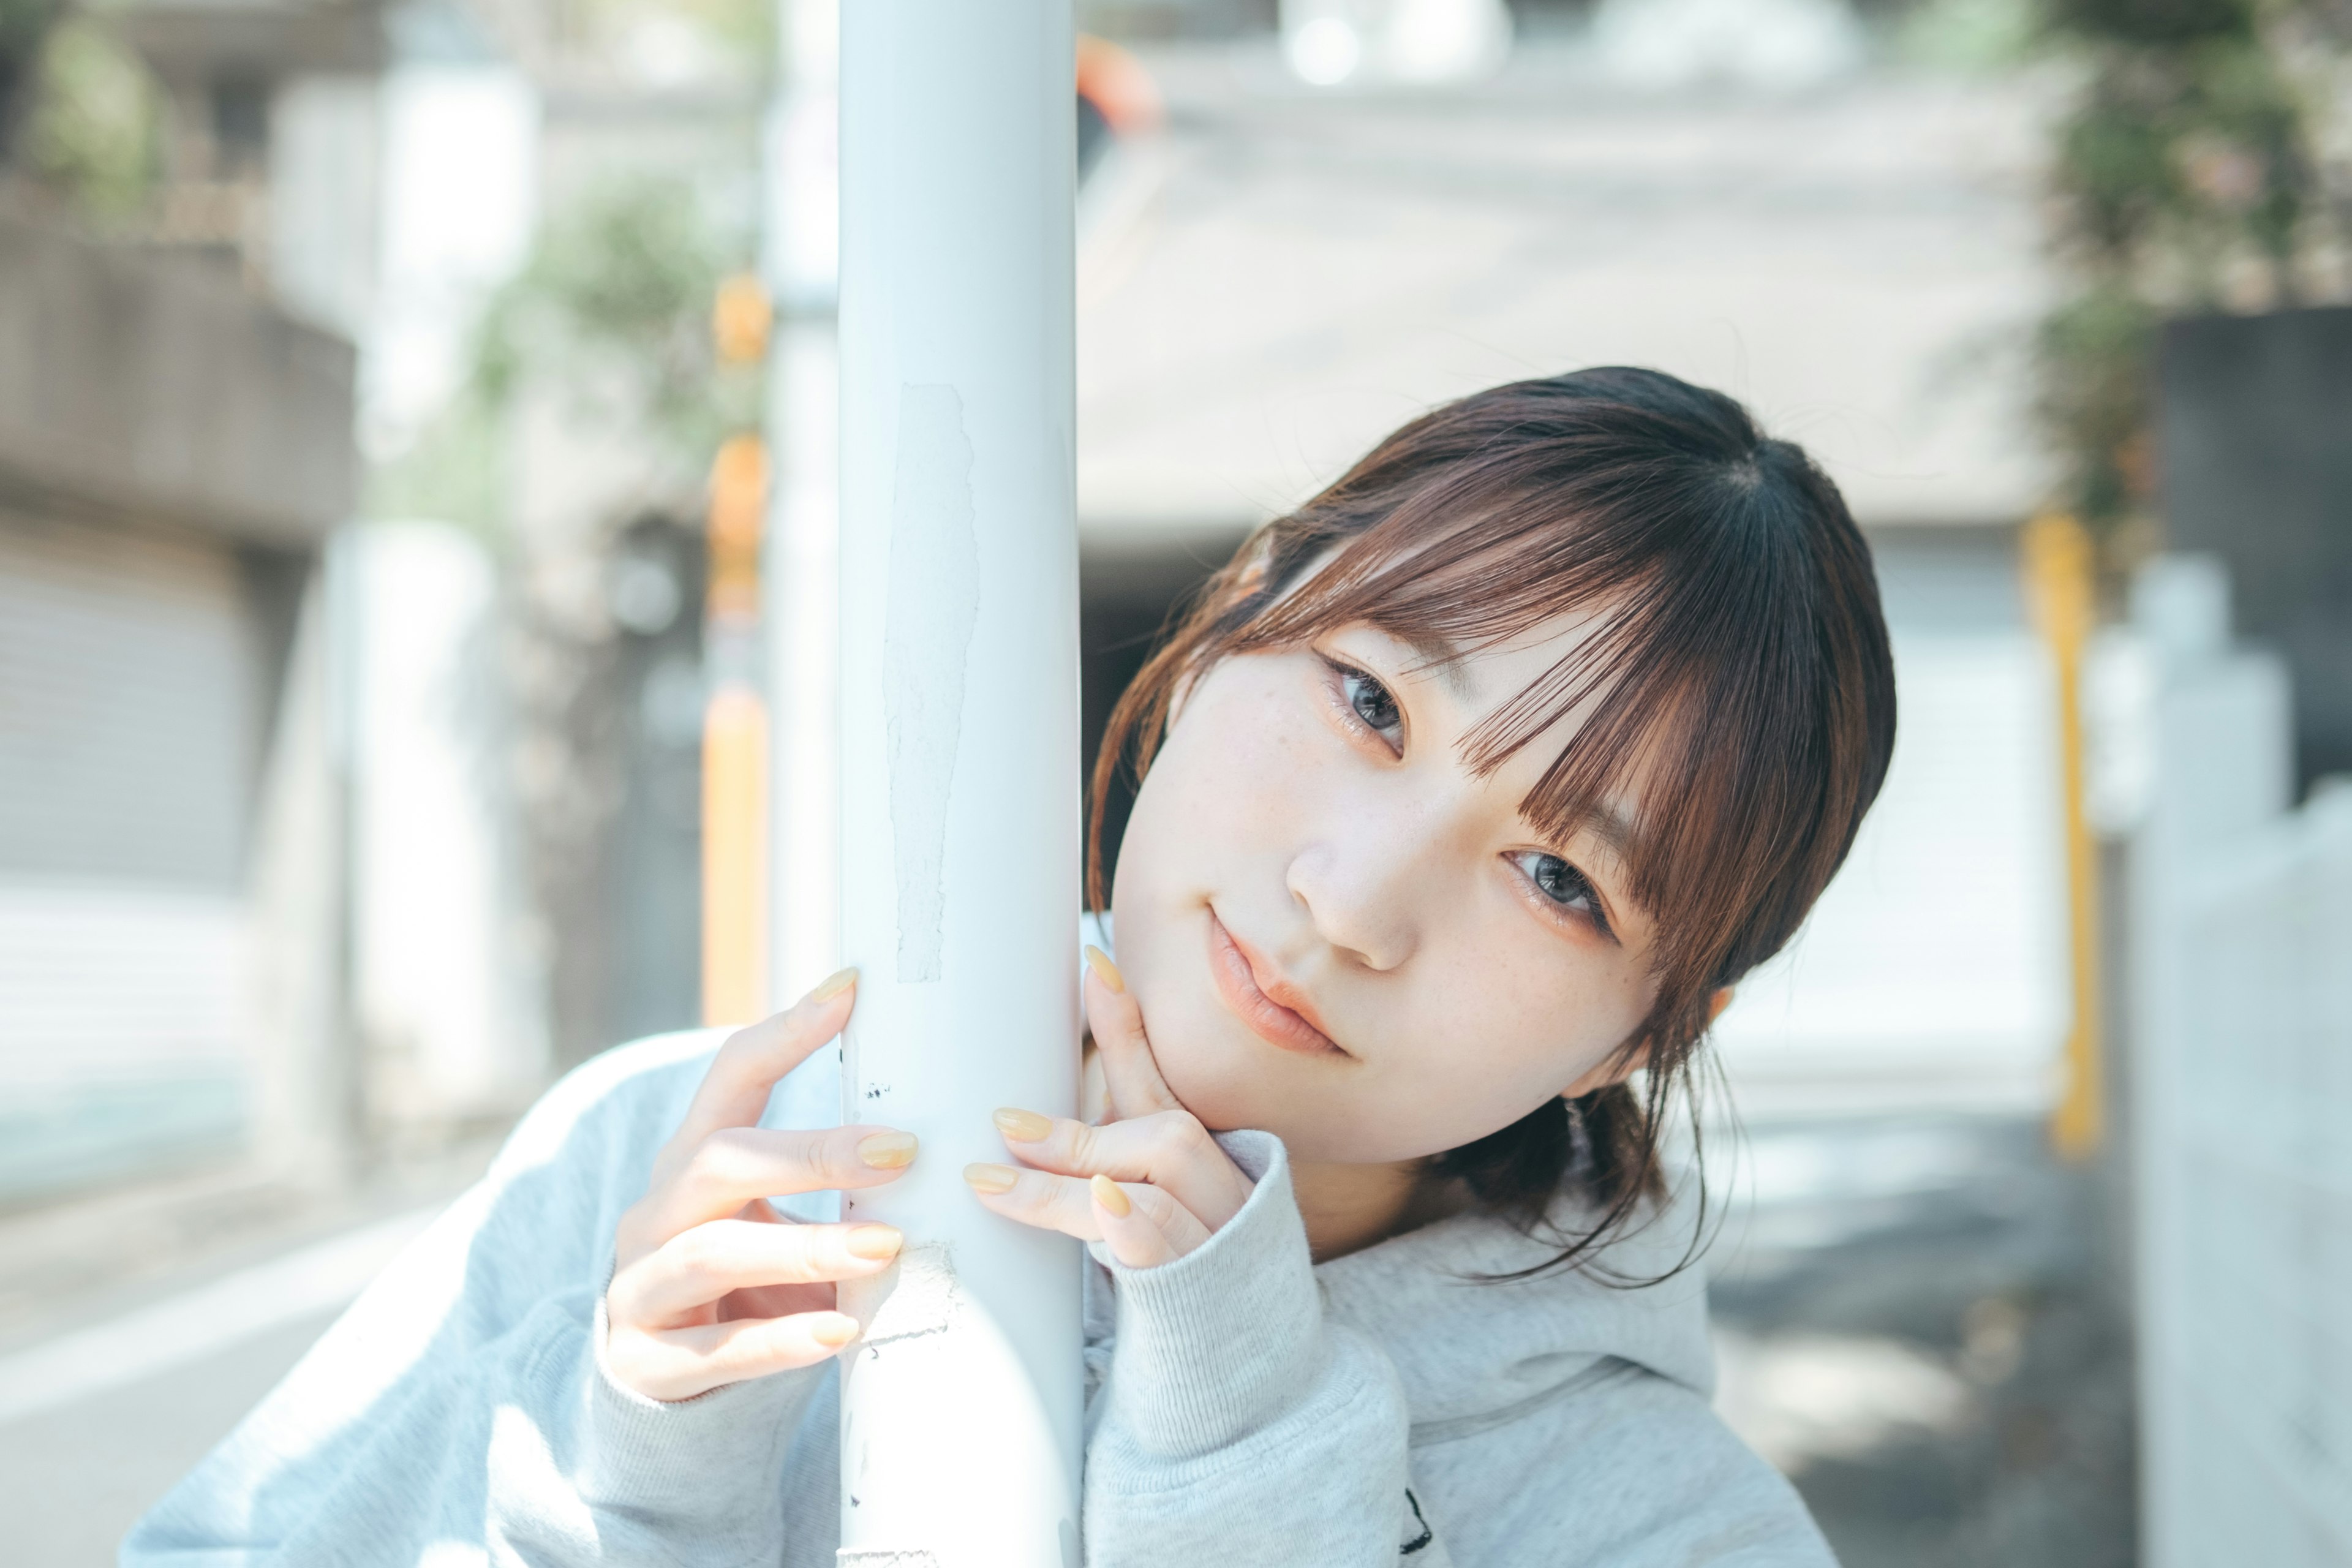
412,485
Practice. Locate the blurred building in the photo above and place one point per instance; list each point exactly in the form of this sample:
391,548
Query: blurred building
172,453
528,609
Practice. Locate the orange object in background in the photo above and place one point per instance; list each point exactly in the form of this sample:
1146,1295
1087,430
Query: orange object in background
2059,565
1115,82
734,857
740,317
738,501
735,746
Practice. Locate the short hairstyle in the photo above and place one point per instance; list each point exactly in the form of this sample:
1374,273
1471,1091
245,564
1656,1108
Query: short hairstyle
1740,668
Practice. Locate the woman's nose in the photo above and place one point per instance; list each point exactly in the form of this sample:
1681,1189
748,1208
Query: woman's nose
1358,892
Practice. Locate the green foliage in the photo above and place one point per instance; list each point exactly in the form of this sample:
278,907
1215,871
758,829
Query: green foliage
23,23
2186,178
1968,35
456,472
95,126
2096,354
614,306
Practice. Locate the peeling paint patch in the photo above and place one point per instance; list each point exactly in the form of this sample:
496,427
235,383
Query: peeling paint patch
917,1295
926,636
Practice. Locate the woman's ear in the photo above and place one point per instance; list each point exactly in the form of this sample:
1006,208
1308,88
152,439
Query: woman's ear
1717,1002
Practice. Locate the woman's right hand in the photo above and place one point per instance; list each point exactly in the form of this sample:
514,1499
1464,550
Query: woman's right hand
711,1285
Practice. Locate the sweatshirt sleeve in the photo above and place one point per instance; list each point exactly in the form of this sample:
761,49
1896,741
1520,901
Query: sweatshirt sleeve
461,1407
1237,1426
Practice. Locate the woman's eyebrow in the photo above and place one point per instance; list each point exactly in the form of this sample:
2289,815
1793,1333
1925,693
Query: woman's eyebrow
1610,824
1441,655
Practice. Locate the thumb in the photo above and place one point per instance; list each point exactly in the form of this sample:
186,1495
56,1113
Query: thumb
1130,1072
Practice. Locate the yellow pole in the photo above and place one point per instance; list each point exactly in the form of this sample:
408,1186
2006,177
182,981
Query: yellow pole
735,720
2058,566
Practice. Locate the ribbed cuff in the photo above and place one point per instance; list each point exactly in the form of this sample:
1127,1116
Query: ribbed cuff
717,1458
1212,1346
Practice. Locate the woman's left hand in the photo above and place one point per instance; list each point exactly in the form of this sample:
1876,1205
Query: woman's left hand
1148,1181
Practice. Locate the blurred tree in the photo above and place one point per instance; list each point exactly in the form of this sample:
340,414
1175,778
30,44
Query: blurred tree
611,316
94,126
2196,168
24,28
606,332
615,306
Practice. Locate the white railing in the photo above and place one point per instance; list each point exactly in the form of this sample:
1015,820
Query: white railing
2240,990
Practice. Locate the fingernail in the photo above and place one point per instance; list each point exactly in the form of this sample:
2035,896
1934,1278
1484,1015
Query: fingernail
888,1150
1104,970
1112,1197
1023,1126
833,1330
987,1178
835,985
875,1242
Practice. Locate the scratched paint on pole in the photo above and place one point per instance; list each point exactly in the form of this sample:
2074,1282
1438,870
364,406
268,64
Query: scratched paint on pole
934,604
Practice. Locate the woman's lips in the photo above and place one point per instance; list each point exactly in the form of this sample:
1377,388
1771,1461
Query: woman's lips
1237,973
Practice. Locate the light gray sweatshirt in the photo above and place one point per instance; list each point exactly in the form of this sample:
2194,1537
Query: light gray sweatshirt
1249,1406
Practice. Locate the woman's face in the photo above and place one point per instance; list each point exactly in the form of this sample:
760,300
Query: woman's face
1341,935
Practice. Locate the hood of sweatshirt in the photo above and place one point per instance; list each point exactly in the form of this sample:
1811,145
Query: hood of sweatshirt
1467,1347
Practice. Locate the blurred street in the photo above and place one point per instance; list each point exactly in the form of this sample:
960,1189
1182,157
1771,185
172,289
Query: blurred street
1921,1322
137,1328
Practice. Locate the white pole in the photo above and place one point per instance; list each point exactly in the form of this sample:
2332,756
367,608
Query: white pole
801,580
961,1409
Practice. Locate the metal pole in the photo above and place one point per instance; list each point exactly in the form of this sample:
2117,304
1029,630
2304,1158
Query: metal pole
802,578
960,1408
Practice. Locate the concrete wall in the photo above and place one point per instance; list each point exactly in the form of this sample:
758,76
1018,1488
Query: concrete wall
154,387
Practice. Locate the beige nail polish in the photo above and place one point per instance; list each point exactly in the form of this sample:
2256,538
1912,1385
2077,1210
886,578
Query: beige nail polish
1104,970
835,985
888,1150
1112,1196
834,1331
986,1178
1023,1126
875,1242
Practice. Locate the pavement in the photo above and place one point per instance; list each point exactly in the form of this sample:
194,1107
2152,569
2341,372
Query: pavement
138,1326
1935,1350
74,1476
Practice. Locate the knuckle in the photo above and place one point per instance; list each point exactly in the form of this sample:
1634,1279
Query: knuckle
1179,1133
697,1252
831,1158
722,1156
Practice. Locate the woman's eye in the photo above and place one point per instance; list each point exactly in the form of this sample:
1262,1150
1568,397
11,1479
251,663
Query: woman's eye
1560,882
1371,703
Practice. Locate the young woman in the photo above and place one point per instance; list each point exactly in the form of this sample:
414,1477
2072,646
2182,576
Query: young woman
1467,793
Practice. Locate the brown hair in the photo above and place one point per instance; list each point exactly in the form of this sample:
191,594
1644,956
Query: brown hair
1740,668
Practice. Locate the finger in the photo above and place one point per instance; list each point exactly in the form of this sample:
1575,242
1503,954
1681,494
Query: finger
734,1091
1131,1073
678,1363
691,1270
1127,1230
733,1165
1169,1148
1066,1204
